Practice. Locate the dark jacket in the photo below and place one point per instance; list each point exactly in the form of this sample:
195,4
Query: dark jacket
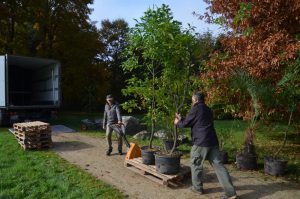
112,114
200,119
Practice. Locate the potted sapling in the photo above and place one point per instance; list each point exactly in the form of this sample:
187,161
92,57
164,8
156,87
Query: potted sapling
144,92
161,58
223,137
276,165
168,162
249,86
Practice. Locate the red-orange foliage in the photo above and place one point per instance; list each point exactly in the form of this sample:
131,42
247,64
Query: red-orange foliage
273,26
260,38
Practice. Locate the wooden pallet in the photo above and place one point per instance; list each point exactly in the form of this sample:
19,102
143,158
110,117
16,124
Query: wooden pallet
36,146
149,171
31,141
33,135
31,126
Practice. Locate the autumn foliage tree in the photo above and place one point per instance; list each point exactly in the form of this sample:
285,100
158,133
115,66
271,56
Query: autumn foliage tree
262,40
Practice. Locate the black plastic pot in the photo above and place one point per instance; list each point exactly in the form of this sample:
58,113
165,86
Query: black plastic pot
148,155
275,167
169,144
246,161
167,164
223,157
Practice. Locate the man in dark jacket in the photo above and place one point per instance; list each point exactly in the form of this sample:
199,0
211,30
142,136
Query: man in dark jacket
205,145
112,115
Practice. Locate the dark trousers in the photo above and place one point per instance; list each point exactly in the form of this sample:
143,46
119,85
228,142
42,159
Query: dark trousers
109,131
198,155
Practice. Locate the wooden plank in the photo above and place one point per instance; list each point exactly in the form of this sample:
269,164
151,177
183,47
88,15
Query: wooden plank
137,162
147,176
26,146
148,168
31,126
29,142
35,144
35,136
150,172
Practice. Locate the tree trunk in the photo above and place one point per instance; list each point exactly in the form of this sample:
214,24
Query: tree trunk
175,140
285,136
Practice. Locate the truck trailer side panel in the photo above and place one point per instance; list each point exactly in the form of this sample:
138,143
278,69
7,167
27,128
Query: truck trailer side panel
2,81
29,88
33,82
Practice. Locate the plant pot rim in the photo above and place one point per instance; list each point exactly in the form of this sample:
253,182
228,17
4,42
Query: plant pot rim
154,148
167,155
247,155
271,159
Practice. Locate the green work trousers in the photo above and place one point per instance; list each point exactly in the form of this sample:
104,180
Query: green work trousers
198,155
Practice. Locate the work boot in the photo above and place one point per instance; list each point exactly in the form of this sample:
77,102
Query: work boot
197,191
108,152
120,152
229,197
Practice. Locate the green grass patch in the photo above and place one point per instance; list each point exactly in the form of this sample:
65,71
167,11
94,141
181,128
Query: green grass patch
42,174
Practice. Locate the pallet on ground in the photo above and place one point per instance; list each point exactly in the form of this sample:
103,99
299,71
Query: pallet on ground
31,126
34,139
36,146
28,141
149,171
33,135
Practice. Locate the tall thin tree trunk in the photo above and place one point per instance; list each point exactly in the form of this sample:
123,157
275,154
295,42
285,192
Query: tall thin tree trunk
285,137
152,110
175,139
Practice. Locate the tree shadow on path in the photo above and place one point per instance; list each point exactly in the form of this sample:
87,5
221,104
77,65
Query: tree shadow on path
70,146
259,190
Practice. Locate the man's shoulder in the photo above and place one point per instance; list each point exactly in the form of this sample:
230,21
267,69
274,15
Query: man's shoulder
201,106
116,104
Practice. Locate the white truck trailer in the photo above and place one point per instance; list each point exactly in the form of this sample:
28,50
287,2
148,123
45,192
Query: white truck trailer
29,88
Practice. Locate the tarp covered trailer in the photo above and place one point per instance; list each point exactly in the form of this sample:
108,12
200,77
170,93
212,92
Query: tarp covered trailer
29,88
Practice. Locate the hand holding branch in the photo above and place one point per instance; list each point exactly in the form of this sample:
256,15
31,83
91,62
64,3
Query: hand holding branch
177,118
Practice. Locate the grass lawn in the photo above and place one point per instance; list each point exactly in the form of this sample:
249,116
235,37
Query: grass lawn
268,139
43,174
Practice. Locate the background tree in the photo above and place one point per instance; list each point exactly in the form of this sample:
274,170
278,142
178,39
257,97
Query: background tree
262,39
60,30
112,36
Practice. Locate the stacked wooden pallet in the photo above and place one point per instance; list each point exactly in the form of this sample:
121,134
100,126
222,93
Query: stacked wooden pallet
33,135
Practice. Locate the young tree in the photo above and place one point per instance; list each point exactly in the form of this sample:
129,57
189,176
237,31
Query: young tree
164,59
112,36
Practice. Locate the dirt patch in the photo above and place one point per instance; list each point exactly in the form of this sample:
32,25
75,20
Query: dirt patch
89,153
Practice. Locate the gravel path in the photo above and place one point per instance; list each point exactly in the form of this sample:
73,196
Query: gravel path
89,154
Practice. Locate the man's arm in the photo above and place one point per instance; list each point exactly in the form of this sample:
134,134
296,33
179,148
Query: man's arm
187,122
104,117
118,111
